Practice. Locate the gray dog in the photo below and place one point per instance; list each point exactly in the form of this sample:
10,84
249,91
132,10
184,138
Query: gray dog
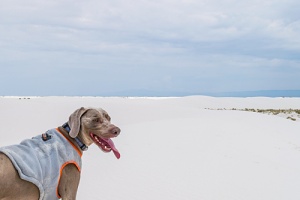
48,166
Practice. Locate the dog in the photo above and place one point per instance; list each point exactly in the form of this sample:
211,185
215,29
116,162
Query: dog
48,166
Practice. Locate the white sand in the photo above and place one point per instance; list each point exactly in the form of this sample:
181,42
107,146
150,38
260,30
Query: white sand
173,148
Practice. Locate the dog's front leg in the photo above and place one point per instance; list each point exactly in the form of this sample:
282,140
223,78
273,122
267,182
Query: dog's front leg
69,182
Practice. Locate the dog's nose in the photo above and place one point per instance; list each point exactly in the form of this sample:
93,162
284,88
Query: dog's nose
115,130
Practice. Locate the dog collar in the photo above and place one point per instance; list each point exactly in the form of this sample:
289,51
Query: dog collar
82,146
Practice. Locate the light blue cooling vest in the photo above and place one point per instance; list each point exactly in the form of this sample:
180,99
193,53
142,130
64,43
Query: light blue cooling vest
41,162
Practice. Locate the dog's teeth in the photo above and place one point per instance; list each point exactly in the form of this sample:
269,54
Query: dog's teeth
101,143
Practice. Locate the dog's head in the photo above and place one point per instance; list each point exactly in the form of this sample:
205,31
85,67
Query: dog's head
94,126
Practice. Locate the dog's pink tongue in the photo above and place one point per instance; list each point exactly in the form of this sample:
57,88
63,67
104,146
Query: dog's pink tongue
112,145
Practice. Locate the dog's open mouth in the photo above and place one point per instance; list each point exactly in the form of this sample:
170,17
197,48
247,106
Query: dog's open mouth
105,144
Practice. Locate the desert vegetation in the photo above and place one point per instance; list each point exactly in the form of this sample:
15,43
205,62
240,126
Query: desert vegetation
291,114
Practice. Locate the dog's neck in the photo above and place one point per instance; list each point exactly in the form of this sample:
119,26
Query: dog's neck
78,141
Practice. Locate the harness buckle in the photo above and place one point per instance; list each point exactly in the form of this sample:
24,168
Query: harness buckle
46,137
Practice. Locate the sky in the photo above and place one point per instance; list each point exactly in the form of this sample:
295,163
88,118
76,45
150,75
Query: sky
159,47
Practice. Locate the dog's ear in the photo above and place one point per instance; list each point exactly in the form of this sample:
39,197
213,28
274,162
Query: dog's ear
74,121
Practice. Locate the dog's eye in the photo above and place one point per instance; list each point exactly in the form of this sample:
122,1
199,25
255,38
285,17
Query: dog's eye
96,120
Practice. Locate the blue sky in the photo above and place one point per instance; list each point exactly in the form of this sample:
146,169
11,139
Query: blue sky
115,47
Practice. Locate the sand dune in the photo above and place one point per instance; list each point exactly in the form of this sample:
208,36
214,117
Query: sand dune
174,148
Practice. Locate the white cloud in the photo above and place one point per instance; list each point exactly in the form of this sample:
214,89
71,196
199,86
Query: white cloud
171,37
